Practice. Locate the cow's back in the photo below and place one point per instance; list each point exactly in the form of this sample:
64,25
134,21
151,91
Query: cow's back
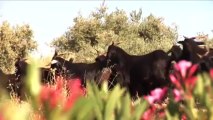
148,72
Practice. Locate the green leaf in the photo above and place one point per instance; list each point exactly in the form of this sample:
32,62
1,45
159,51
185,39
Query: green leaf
104,87
139,109
199,87
170,116
111,102
95,95
172,108
33,80
82,110
125,108
86,111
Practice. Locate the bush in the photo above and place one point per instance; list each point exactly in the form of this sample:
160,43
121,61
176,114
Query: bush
15,42
136,34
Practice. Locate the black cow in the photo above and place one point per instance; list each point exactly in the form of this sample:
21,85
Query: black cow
140,74
83,71
46,75
11,83
191,51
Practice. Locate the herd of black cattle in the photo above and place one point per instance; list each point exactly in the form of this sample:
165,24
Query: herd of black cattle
138,74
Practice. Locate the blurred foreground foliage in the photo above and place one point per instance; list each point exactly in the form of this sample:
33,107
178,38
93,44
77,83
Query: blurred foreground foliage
67,100
189,99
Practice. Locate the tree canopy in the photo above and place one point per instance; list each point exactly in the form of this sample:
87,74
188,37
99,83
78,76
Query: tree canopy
15,41
135,33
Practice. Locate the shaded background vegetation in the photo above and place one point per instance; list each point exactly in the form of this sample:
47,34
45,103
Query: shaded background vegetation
135,33
15,41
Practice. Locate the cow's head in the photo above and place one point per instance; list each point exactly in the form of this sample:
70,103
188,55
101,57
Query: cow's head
58,64
175,52
21,66
101,60
115,55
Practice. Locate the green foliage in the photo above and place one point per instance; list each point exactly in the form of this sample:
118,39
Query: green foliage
136,17
107,105
101,104
14,42
136,35
209,43
195,105
116,21
204,85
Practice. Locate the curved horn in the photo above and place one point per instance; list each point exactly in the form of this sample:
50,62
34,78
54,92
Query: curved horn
185,37
193,38
56,53
112,43
189,38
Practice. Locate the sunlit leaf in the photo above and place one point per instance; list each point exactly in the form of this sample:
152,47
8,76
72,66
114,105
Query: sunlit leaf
140,108
112,101
33,80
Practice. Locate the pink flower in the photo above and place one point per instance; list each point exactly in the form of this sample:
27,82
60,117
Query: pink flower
177,95
1,116
149,114
175,81
156,95
183,75
75,92
211,73
183,66
52,94
152,113
75,86
183,117
192,70
190,82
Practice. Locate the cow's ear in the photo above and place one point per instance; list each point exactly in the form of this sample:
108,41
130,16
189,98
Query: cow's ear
101,58
193,38
71,60
97,59
185,37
